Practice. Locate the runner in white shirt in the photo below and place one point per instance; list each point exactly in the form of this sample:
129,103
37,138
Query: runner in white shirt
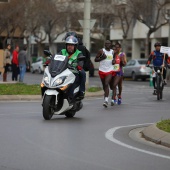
105,57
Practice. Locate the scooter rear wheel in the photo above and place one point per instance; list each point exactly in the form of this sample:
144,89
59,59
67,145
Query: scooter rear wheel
70,113
47,110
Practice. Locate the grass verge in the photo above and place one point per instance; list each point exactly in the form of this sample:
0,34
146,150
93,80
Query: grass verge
94,89
19,89
164,125
24,89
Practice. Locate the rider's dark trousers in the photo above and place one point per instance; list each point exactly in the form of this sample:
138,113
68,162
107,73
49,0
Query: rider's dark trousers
82,74
73,86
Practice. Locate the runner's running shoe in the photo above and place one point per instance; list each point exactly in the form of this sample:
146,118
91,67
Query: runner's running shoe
113,102
119,101
105,104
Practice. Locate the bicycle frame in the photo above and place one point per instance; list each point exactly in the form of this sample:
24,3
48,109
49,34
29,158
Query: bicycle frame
159,84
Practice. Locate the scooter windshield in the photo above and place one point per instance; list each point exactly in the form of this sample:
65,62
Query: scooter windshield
58,64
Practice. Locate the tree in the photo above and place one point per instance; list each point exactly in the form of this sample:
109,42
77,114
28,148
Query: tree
125,16
151,13
11,17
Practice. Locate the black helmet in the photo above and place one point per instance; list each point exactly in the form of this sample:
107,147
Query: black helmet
157,44
71,33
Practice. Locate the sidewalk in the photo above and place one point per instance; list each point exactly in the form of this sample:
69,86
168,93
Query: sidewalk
151,133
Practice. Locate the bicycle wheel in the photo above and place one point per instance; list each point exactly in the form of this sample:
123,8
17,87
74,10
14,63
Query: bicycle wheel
161,94
162,87
158,86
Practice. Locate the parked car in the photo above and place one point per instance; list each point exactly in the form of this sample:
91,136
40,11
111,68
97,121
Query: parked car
136,69
37,66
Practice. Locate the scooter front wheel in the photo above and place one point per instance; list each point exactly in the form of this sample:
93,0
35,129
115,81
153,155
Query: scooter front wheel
47,110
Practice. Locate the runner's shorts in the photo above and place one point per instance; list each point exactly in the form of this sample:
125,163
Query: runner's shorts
104,74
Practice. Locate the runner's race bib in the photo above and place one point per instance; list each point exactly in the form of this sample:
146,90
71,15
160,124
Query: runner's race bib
116,67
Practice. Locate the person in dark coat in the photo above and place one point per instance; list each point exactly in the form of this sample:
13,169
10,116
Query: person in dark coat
23,63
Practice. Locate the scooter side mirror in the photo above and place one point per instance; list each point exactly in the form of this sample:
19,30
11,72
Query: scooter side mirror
47,53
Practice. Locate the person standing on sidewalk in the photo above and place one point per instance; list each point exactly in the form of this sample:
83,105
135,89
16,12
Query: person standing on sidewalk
105,57
23,63
15,68
6,61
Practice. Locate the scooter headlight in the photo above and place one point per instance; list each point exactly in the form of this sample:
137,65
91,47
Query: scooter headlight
59,81
158,71
46,80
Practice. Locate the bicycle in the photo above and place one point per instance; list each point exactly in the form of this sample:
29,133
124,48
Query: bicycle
159,82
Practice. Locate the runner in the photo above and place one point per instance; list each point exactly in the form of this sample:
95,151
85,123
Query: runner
119,61
105,57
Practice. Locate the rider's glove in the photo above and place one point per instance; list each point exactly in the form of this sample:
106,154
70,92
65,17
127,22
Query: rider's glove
79,68
147,65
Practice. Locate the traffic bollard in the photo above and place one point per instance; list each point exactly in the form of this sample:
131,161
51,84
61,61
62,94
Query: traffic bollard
151,80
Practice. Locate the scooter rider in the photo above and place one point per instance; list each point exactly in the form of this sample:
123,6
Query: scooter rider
73,54
85,52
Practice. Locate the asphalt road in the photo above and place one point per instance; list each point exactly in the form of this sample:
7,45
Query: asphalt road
93,81
95,139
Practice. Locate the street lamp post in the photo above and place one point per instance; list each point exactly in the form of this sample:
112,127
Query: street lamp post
86,30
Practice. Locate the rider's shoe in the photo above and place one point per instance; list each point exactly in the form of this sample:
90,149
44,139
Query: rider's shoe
154,92
81,95
119,101
105,104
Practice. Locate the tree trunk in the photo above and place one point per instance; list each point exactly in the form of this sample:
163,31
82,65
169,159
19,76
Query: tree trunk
40,49
124,45
147,44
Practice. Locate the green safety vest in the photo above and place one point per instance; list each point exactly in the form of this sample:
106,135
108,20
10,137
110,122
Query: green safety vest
73,59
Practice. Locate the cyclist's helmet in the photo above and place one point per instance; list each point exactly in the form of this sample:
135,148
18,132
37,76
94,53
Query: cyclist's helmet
157,44
71,40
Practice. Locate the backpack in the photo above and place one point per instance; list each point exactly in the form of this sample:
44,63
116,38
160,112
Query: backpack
85,53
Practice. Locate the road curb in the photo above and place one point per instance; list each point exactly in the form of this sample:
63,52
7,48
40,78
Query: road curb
19,97
154,134
38,97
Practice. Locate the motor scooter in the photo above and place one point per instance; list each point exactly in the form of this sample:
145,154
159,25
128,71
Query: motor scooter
57,80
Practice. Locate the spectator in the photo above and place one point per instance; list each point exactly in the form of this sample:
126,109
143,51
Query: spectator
23,63
6,61
15,68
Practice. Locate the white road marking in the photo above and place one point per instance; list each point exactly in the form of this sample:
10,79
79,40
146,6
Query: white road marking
110,136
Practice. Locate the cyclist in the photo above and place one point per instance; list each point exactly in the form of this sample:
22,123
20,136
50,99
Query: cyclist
158,61
105,57
119,61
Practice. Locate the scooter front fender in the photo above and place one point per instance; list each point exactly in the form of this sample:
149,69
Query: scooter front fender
51,92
